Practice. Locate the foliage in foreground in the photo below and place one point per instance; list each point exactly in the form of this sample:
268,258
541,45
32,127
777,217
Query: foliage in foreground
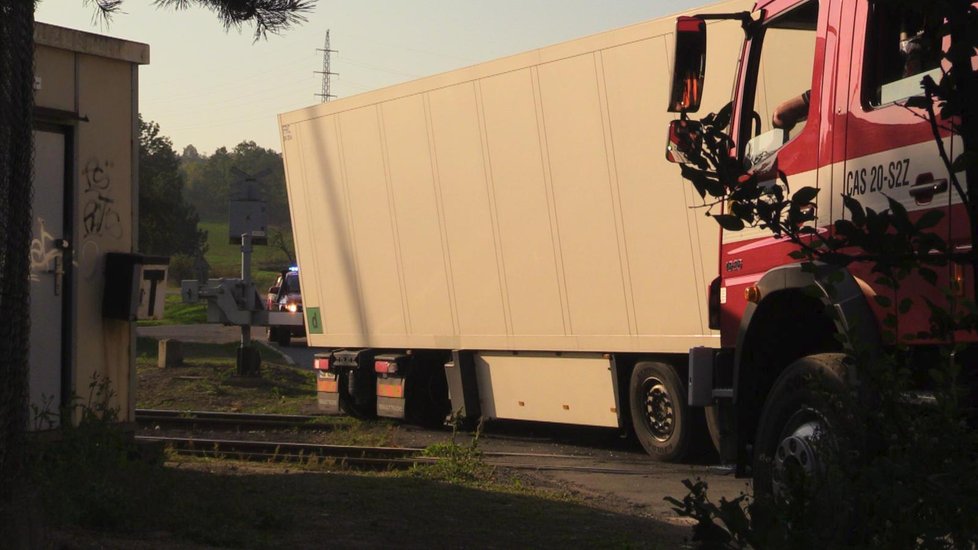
910,484
95,477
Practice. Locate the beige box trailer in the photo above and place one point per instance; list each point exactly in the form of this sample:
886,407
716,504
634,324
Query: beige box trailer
518,221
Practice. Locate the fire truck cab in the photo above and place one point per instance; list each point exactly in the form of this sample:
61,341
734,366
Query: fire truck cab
846,130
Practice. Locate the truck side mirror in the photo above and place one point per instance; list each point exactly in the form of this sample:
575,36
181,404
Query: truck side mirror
689,66
273,290
684,141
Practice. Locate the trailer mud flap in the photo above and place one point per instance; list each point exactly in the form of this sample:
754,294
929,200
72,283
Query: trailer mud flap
390,397
463,385
327,392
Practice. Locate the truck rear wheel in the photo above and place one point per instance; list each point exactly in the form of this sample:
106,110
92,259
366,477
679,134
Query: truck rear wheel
797,432
660,415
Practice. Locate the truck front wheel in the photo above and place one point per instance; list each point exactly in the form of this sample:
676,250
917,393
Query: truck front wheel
798,429
660,416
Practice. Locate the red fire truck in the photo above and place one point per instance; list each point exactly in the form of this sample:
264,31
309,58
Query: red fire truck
852,134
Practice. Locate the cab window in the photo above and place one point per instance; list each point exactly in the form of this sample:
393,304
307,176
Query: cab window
781,95
902,47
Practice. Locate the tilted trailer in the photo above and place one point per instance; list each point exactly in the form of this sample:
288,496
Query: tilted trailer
508,241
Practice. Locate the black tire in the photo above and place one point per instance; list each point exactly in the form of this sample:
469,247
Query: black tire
427,395
799,422
660,415
712,415
359,404
720,425
284,337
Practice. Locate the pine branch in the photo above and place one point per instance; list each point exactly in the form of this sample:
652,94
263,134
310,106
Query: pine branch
268,16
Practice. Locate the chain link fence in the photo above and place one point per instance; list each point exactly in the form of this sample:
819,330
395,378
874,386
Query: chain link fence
16,149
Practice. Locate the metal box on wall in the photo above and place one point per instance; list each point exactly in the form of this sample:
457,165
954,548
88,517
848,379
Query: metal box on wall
135,286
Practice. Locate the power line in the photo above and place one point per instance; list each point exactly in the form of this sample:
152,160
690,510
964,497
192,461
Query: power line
325,95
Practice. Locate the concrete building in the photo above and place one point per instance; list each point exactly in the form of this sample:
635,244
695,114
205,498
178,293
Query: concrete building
84,209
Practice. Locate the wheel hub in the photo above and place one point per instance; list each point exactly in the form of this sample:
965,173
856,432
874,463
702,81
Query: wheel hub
796,460
659,410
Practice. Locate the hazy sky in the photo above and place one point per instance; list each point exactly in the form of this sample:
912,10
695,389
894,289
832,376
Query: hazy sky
211,89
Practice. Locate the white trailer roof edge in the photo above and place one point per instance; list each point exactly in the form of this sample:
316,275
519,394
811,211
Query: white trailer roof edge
547,54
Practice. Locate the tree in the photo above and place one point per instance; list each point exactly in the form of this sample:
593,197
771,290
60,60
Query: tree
209,181
252,159
190,155
16,104
277,239
167,224
269,16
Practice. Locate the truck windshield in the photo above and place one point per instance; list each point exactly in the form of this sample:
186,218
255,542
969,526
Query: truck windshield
291,284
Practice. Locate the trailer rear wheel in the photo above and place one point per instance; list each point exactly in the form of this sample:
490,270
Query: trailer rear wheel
713,425
284,337
357,389
427,395
660,416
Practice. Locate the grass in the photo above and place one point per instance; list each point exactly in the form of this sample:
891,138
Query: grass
225,261
269,507
95,495
176,312
208,381
225,258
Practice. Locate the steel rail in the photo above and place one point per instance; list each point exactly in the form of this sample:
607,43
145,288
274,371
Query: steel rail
151,417
281,451
372,457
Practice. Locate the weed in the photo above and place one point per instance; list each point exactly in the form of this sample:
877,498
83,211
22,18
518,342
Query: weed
455,463
86,476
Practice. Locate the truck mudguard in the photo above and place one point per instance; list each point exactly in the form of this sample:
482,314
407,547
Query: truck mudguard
841,293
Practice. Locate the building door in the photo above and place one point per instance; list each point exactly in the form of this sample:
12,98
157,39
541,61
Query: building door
49,285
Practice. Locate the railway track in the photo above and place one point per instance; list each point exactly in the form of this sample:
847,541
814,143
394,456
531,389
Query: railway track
380,458
291,452
363,457
227,420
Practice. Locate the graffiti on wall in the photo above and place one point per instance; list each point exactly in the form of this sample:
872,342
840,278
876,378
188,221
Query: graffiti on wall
99,217
44,250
